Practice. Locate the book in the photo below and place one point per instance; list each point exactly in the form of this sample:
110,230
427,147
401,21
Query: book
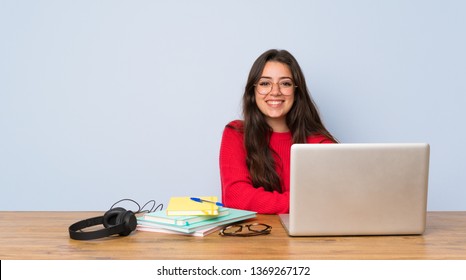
198,233
235,215
184,206
162,217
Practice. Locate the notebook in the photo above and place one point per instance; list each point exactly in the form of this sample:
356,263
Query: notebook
234,215
184,206
163,218
357,189
199,233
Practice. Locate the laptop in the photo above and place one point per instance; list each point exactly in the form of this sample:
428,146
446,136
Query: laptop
357,189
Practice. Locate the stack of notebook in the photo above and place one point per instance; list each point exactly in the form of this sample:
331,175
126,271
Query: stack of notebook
185,216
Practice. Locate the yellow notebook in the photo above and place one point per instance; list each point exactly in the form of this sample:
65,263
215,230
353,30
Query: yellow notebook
181,206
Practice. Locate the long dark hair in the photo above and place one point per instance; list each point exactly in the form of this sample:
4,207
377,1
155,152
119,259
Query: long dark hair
303,120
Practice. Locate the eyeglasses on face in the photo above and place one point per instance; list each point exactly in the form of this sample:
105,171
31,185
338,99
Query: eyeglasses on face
253,230
285,86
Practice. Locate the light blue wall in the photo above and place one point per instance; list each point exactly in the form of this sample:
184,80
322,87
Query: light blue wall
102,100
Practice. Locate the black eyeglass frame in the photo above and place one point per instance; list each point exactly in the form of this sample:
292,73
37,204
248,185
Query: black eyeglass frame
251,232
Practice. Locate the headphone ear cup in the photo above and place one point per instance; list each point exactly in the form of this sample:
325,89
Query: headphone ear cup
129,221
113,216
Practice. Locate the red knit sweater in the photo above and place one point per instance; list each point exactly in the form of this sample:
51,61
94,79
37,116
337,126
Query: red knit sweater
237,189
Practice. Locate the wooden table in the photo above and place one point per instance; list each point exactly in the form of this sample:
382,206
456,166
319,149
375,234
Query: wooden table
44,235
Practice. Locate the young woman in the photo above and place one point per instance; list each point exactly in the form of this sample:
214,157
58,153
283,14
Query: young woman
255,153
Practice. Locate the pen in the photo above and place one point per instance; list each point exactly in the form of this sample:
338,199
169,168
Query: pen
197,199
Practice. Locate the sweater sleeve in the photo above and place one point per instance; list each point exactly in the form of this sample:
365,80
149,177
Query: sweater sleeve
237,189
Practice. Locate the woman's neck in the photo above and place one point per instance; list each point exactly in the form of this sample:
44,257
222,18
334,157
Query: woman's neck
278,125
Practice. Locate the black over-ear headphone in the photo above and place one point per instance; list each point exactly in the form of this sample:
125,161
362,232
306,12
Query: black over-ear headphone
116,221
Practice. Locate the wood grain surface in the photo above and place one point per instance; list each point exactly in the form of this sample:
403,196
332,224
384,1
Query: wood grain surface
44,235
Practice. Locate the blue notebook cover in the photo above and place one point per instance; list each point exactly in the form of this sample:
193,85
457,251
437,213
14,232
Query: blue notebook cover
235,215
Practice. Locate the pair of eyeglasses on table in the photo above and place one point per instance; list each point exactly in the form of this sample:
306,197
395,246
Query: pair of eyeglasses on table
253,230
